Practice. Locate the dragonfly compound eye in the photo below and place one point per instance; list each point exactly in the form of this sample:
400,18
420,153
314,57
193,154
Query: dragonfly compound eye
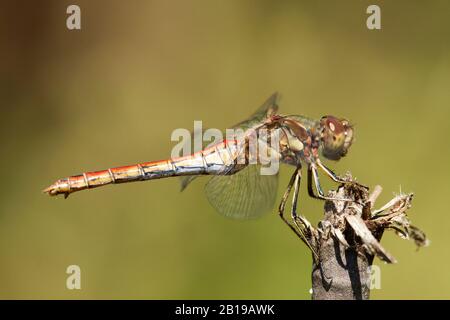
337,136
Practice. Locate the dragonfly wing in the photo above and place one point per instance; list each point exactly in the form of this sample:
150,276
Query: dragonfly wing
268,108
186,180
246,194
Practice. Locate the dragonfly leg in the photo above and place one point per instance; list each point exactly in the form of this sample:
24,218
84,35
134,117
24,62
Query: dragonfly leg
310,185
334,176
303,226
296,229
283,205
314,175
286,196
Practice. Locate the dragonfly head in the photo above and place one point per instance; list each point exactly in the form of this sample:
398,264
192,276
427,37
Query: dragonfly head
336,137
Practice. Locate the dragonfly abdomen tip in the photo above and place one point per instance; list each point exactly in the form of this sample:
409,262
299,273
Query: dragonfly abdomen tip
55,189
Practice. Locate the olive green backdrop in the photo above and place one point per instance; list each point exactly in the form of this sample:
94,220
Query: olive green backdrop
111,94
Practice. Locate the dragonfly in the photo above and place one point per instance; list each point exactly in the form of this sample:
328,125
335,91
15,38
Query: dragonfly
237,189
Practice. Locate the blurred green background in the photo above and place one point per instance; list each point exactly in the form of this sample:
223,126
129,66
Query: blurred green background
112,93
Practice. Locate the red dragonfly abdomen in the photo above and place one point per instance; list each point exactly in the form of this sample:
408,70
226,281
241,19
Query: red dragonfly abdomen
213,160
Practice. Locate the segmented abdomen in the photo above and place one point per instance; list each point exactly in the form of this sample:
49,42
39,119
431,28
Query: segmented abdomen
213,160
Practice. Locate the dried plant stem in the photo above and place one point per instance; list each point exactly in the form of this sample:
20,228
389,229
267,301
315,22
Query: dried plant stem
348,239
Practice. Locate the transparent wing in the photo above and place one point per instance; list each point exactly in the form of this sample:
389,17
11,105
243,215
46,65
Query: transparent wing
268,108
244,195
186,180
